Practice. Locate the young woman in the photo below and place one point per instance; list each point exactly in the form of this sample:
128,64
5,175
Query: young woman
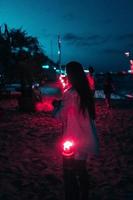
77,112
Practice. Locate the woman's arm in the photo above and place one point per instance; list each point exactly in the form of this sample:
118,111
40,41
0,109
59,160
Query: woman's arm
62,106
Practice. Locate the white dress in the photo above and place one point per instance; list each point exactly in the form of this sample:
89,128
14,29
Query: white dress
78,127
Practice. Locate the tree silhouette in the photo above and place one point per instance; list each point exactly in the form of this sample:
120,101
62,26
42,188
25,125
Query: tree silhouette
13,43
22,57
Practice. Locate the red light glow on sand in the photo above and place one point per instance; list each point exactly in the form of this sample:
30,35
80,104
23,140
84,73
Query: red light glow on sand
46,105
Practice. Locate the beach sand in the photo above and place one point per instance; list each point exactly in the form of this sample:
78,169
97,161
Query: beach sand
31,161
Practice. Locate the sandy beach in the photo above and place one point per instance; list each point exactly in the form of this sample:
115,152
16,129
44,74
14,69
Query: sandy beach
31,162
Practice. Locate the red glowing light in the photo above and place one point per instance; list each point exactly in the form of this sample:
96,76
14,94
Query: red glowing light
45,105
68,148
64,82
63,85
67,145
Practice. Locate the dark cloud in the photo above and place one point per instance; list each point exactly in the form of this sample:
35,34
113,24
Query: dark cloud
113,51
70,37
123,37
79,40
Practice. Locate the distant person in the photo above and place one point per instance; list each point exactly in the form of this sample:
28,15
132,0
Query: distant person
37,96
91,79
25,71
108,88
77,112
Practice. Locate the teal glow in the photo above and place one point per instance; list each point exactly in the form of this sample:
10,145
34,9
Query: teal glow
45,66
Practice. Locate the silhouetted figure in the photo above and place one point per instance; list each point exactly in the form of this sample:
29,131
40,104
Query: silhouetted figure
37,96
108,88
77,112
26,100
25,71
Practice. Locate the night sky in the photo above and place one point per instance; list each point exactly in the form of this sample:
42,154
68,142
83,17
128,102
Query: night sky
93,32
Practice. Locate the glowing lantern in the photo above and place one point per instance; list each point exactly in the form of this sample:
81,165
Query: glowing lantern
68,155
68,148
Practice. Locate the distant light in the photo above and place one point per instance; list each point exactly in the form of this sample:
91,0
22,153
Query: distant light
35,85
45,66
25,49
62,75
54,68
57,70
86,70
129,96
62,71
127,54
130,71
14,50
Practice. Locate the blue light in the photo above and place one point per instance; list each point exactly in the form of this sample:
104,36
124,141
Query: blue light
45,66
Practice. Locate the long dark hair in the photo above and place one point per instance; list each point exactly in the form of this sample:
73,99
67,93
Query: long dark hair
79,82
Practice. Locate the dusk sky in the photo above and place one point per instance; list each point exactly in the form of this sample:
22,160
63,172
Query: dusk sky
93,32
